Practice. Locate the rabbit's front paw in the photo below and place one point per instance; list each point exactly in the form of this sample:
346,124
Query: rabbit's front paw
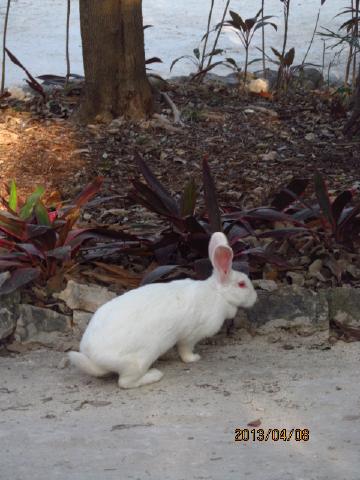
190,357
186,353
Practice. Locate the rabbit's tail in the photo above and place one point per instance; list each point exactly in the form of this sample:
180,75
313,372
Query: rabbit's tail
84,363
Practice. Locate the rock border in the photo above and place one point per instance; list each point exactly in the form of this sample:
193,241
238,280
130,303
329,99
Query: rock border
295,310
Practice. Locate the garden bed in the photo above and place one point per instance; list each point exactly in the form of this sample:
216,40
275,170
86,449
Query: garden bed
254,146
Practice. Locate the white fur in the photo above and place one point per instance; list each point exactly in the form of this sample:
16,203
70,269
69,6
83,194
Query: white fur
129,333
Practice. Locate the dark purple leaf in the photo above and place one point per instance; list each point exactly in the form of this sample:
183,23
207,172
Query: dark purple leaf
211,201
149,199
12,226
31,250
203,268
283,232
19,278
193,225
157,187
158,274
153,60
259,253
289,57
60,253
339,204
237,232
347,215
199,243
307,213
88,192
323,199
34,84
5,264
265,214
289,194
237,22
44,238
78,237
166,253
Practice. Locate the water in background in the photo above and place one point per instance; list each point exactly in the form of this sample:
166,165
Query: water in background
36,32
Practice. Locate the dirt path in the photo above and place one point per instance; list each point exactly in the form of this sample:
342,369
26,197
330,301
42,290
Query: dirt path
56,423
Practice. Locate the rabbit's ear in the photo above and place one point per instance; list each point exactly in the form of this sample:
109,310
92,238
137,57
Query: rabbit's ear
221,255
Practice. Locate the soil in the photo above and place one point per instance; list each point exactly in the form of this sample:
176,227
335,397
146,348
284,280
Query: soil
254,144
60,423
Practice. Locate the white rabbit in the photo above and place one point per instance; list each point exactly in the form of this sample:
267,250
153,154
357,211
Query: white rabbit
129,333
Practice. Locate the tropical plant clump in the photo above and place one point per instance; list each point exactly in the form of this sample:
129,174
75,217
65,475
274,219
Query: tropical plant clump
40,240
274,238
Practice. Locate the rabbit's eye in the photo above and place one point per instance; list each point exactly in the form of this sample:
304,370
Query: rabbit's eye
242,284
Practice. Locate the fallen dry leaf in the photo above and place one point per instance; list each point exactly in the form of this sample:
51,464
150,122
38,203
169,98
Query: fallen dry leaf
255,423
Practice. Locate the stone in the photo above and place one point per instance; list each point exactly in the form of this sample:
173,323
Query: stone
269,157
88,298
231,80
293,309
8,314
344,305
295,278
35,324
310,78
64,363
157,82
81,319
267,285
310,137
3,277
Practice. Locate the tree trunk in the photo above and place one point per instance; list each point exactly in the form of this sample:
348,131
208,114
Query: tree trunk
114,60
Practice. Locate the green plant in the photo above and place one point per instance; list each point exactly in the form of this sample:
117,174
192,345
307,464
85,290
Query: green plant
245,30
286,68
39,239
201,55
347,34
197,60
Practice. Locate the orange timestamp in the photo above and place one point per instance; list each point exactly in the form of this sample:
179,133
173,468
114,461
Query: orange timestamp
272,434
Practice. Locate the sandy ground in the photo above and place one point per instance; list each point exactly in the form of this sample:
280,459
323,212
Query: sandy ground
59,424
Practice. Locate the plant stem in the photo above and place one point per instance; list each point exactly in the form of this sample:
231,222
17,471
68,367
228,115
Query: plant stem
207,36
67,42
355,37
323,58
286,29
219,31
4,46
263,38
246,63
312,39
350,55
